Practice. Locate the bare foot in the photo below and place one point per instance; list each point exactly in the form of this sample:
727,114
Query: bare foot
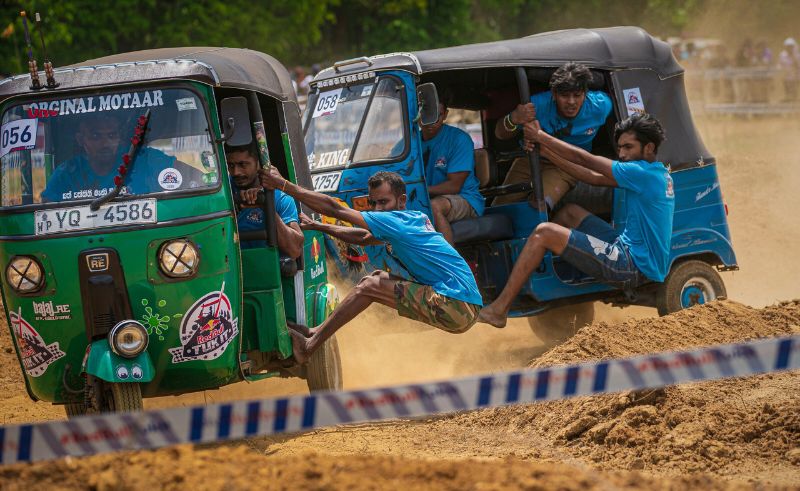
299,350
487,315
305,331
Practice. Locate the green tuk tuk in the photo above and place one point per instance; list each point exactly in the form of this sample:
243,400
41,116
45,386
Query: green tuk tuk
133,283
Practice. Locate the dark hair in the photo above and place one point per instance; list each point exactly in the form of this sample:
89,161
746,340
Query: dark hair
571,76
645,128
393,178
242,148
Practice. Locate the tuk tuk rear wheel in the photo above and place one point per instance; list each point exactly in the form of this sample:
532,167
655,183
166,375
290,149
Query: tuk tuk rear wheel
557,324
74,409
324,369
687,284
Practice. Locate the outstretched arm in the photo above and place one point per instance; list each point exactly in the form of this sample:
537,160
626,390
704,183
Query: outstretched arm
578,172
321,203
570,153
351,235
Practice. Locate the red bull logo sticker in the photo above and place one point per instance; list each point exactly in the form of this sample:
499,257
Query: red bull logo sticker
315,250
207,328
36,354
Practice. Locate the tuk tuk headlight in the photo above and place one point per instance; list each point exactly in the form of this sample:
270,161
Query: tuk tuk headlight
24,274
178,258
128,339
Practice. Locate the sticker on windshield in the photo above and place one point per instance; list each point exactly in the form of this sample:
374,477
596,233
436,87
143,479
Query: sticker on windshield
82,105
633,101
18,135
327,102
186,104
170,178
366,91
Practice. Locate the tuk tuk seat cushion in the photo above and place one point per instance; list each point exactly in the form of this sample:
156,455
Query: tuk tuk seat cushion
484,170
482,229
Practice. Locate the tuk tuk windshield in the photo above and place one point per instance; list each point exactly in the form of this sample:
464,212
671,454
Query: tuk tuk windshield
71,148
333,119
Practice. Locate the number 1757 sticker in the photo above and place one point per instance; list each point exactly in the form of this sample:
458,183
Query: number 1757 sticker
18,135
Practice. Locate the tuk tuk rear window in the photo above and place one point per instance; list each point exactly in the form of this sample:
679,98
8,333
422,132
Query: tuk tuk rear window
71,148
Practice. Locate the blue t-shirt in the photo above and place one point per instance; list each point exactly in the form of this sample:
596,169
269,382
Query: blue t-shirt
423,252
450,151
75,178
580,130
650,203
250,219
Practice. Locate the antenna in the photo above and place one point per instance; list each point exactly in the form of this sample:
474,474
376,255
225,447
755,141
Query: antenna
48,67
32,68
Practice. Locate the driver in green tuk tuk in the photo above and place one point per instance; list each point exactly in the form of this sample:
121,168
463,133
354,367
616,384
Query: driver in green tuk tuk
243,168
442,291
569,112
91,173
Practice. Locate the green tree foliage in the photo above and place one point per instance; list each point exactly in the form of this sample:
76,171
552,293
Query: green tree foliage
307,31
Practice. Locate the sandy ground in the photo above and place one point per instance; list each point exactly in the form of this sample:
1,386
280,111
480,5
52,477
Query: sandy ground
739,434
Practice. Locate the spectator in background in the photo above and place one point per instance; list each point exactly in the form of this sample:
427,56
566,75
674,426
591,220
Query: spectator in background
763,54
789,63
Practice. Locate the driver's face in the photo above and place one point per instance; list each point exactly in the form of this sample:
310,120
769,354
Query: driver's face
432,130
382,198
243,168
100,140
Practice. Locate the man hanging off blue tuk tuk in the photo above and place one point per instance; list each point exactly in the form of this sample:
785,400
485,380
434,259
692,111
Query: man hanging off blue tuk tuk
442,291
626,259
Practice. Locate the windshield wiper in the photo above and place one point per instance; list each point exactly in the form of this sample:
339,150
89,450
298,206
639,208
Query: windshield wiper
127,162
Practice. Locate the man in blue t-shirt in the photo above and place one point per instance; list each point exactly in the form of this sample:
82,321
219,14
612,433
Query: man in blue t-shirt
638,254
450,174
243,168
91,173
569,112
442,293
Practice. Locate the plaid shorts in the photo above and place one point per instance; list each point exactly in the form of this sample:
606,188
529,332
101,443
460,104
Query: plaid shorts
422,303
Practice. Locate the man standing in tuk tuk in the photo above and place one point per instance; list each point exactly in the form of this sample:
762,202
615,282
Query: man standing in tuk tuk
626,259
442,292
243,168
450,174
569,112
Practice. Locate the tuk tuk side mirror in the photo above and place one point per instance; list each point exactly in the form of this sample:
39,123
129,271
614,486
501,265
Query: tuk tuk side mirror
428,104
236,122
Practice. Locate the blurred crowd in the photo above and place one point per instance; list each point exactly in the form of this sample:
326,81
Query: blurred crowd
302,77
753,63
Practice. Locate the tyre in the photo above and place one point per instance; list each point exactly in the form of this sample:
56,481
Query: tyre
123,397
558,324
324,369
75,409
689,283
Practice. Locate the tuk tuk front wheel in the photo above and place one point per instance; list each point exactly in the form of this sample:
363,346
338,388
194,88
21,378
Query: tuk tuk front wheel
689,283
124,397
324,369
75,409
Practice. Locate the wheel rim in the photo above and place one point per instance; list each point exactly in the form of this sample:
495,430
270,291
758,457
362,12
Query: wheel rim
697,291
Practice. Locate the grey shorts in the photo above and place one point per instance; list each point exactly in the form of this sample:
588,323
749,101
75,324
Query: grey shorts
459,208
595,248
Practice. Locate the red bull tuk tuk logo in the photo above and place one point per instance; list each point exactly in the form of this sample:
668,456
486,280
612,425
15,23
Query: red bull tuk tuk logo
36,354
206,329
315,250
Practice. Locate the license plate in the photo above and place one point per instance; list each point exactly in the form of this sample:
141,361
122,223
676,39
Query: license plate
82,218
326,182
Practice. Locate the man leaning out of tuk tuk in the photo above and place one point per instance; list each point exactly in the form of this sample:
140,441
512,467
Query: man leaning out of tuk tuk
450,174
640,253
243,168
442,292
569,112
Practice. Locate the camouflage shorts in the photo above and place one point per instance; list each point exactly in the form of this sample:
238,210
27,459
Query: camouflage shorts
422,303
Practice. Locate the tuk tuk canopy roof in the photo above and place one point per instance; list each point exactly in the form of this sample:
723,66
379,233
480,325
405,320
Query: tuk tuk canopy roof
612,47
226,67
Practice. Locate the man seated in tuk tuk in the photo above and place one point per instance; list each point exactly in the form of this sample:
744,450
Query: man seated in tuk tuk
450,174
243,168
568,111
442,293
91,173
626,259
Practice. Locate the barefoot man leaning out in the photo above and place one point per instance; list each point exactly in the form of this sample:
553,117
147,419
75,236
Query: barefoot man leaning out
442,291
